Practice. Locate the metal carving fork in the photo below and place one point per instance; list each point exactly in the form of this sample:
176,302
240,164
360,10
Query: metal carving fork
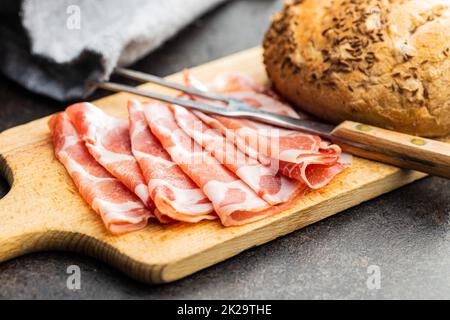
398,149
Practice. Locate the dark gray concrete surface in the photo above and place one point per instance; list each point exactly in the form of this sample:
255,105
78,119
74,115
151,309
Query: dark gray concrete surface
406,233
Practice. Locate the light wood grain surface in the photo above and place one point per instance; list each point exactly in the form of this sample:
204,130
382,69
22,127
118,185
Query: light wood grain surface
44,211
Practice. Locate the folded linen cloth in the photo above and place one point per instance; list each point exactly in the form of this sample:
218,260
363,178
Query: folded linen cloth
62,46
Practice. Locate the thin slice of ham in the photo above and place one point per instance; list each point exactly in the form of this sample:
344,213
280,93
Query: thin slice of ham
108,140
120,210
175,195
300,156
233,200
272,187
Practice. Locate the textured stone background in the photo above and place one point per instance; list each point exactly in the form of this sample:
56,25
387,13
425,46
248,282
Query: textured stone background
406,233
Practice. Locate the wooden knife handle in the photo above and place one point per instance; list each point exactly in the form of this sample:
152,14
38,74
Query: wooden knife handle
398,149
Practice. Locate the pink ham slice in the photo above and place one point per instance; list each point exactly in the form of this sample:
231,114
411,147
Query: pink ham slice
120,210
300,156
175,195
233,200
272,187
108,140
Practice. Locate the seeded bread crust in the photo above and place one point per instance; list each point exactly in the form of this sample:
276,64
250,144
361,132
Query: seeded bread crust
381,62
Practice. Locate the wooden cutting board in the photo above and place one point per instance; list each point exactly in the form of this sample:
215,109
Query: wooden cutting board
43,210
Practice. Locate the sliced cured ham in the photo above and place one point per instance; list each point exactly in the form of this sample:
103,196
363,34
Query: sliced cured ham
120,210
181,165
108,140
300,156
272,187
233,200
175,195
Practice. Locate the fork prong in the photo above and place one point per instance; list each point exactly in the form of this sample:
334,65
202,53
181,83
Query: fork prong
117,87
144,77
235,112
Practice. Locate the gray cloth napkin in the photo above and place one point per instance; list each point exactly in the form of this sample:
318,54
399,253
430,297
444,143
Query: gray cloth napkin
59,47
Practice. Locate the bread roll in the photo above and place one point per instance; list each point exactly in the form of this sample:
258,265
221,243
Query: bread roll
381,62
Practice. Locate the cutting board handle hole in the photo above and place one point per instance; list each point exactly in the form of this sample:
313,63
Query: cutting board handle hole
6,177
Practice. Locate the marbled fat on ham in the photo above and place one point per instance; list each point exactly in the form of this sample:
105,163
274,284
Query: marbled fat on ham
233,200
175,195
108,140
120,210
